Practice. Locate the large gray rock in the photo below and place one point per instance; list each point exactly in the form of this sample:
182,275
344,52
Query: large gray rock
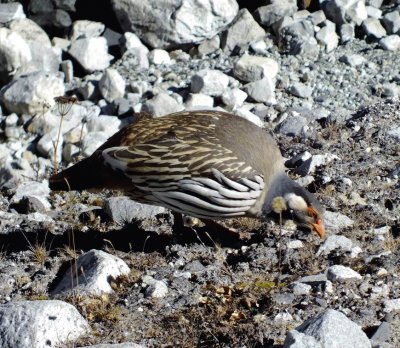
210,82
252,68
329,329
27,94
243,23
162,104
272,13
96,270
39,324
345,11
11,11
173,23
112,85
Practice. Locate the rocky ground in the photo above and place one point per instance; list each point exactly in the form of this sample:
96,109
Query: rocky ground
143,277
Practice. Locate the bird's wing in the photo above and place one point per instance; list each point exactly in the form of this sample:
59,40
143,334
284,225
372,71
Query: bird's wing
192,175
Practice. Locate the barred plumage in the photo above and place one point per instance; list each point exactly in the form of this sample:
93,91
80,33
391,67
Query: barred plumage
206,164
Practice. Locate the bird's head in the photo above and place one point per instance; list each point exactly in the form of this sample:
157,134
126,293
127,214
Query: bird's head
292,200
306,210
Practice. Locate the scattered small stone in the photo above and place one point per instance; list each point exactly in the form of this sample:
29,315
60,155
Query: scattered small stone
392,305
155,288
300,289
253,68
301,90
112,85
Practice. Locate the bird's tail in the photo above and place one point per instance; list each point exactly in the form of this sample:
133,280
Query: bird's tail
83,175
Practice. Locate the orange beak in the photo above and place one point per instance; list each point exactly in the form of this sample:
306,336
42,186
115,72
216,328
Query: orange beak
319,228
318,225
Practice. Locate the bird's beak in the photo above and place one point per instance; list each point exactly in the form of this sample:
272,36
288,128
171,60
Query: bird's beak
319,228
318,225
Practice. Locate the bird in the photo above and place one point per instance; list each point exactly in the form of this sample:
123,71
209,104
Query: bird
206,164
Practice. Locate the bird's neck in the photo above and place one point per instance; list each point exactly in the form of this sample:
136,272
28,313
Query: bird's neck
279,186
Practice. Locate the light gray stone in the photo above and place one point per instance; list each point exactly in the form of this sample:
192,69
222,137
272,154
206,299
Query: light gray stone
300,289
162,104
96,270
27,94
209,46
233,36
262,91
123,210
394,133
46,145
103,123
373,27
91,53
249,116
84,29
374,12
295,339
158,57
391,305
155,288
234,97
391,22
335,222
209,82
112,85
30,31
353,59
116,345
335,242
38,324
301,90
347,32
252,68
11,11
329,329
15,54
170,24
33,189
339,273
293,125
327,37
92,141
390,43
198,100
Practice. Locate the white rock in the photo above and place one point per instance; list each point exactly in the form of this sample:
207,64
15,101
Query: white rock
11,11
328,37
158,57
30,31
84,29
392,305
107,124
38,190
262,91
209,82
112,85
162,104
335,242
28,94
252,68
198,100
15,53
234,97
374,28
249,116
46,145
329,329
339,273
37,324
91,53
96,270
301,289
155,288
92,141
295,244
390,43
336,221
